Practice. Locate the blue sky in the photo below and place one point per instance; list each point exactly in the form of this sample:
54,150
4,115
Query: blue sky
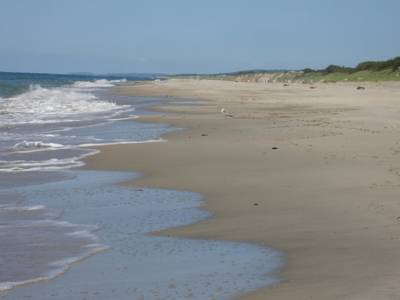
177,36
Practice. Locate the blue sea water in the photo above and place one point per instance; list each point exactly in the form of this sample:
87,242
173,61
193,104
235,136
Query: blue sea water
17,83
57,114
139,266
53,216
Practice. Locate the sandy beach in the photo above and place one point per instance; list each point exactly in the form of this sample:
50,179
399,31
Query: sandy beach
311,172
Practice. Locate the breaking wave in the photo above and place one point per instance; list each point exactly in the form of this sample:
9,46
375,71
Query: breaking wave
101,83
46,105
34,146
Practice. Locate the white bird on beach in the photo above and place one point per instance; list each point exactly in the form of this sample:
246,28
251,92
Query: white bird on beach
224,111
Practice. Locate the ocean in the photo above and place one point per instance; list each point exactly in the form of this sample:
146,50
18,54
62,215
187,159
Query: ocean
58,220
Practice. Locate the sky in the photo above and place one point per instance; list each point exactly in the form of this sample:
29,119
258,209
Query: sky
194,36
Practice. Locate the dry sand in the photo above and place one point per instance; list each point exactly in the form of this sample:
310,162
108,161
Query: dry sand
328,197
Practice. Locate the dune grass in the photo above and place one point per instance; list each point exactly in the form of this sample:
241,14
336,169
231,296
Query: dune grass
360,76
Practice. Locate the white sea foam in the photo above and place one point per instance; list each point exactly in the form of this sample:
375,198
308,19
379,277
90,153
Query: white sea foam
44,165
59,267
28,146
23,208
48,105
101,83
53,164
58,106
160,140
81,235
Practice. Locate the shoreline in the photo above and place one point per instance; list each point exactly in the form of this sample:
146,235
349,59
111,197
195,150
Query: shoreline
256,259
322,222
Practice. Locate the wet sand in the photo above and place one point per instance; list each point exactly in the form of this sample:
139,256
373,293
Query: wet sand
313,173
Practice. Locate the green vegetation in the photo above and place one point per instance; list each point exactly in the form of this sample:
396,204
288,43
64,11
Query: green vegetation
388,70
367,75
